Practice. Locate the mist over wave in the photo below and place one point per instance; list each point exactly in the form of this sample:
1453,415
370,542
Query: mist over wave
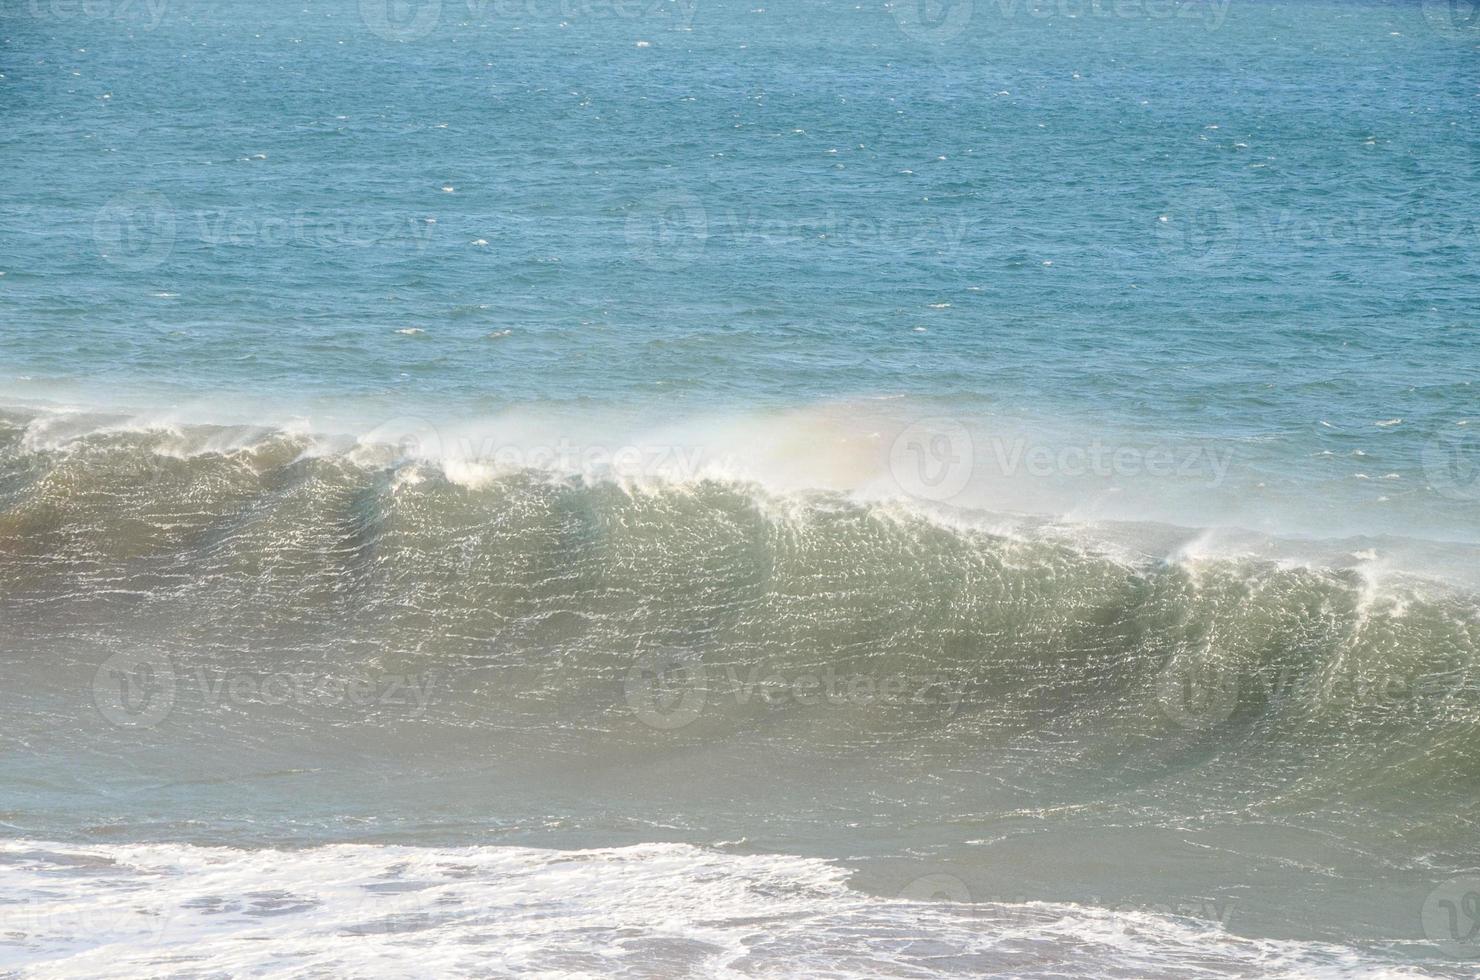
353,637
552,606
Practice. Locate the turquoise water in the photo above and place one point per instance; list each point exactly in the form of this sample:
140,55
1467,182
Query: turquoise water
439,436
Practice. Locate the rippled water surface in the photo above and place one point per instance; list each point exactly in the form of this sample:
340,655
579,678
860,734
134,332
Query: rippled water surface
700,489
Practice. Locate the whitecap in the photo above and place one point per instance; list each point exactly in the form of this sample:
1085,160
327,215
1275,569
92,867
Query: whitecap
653,909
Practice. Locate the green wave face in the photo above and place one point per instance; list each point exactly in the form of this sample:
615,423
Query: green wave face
449,657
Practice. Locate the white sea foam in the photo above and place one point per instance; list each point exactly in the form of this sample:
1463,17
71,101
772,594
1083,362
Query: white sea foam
648,910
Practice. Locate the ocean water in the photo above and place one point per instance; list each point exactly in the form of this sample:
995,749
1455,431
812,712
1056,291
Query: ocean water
687,488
